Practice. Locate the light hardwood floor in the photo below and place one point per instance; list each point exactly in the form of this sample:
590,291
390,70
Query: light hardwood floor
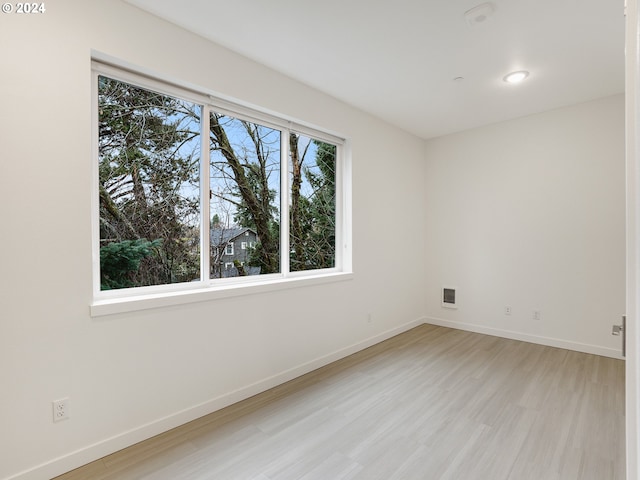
430,404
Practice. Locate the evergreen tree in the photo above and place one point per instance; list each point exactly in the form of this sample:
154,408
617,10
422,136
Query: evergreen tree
149,189
244,167
313,215
147,171
119,262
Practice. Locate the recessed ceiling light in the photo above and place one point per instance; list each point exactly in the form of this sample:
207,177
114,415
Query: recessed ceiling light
516,77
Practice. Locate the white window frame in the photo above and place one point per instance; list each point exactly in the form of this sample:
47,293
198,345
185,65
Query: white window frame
243,245
139,298
226,249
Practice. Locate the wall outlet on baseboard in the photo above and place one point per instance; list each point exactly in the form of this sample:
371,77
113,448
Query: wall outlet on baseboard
507,310
537,315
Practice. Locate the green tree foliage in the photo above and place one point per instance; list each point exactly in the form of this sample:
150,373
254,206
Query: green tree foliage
149,188
148,173
245,159
313,205
119,262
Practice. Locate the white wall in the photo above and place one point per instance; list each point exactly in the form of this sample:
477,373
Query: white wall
530,213
129,376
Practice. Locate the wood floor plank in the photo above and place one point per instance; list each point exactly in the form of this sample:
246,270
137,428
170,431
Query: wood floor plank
433,403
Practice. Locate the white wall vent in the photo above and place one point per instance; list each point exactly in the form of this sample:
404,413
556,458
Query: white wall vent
449,297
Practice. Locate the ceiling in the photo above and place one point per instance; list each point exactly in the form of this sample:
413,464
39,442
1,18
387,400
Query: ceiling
397,59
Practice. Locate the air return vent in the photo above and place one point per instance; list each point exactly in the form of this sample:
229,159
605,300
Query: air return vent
449,297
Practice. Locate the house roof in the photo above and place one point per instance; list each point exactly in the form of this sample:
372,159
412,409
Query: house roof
220,235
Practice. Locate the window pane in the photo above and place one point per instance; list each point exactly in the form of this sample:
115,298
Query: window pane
312,174
245,197
149,149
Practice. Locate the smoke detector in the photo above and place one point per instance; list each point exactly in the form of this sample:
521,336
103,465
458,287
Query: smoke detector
479,14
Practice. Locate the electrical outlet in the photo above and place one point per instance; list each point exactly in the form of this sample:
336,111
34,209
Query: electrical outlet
537,315
369,318
60,409
507,310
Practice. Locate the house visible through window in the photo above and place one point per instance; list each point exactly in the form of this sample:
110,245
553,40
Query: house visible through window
175,209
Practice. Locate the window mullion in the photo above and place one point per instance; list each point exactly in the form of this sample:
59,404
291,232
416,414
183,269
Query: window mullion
284,202
205,196
340,227
95,199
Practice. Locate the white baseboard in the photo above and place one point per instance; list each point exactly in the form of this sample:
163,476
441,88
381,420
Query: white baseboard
527,337
108,446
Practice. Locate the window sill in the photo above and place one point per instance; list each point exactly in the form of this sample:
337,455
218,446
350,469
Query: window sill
114,306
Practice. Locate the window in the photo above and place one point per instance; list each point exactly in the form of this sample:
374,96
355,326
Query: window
181,175
312,211
148,186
